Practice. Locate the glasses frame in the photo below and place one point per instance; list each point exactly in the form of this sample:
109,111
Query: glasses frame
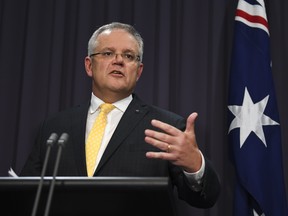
136,58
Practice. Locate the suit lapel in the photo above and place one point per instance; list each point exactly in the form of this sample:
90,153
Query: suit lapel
134,113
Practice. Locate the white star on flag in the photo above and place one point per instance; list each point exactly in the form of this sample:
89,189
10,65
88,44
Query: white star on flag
256,214
250,117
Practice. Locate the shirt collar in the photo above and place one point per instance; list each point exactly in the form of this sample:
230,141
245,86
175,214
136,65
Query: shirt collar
120,105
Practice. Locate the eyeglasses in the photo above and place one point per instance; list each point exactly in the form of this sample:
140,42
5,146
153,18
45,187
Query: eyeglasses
128,57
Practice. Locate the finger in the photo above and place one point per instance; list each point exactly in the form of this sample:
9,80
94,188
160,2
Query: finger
160,155
190,124
169,129
157,135
157,143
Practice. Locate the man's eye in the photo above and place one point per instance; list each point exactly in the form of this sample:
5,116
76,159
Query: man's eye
107,53
129,56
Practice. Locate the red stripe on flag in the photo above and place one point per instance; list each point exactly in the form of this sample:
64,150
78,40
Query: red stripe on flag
250,18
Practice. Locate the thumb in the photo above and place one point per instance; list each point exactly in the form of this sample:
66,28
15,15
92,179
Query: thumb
190,123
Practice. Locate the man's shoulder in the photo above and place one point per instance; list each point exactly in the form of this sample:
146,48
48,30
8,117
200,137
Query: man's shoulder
68,112
165,112
160,113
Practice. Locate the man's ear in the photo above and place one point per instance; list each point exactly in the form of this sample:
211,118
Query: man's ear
139,71
88,66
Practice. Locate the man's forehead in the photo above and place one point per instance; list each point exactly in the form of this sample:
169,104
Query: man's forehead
118,37
110,31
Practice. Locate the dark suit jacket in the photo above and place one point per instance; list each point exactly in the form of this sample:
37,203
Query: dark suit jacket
125,153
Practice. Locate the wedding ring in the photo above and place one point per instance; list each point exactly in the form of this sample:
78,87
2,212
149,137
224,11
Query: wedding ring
168,148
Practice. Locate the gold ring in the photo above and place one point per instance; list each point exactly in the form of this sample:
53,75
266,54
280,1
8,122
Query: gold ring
168,148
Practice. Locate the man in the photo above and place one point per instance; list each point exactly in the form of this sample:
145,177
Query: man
139,139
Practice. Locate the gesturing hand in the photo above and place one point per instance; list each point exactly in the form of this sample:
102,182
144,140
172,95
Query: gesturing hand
179,147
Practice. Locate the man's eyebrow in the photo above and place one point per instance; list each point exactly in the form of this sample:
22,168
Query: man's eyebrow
107,49
126,50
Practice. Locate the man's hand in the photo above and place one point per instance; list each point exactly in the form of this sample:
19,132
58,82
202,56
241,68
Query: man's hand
177,146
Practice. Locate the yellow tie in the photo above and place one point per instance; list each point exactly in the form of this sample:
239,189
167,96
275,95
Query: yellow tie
95,136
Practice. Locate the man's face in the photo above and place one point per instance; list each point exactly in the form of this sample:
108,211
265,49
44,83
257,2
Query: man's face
114,76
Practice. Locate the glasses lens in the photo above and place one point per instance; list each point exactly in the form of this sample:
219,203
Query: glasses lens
127,57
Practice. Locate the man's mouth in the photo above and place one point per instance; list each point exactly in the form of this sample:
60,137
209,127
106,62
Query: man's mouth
117,72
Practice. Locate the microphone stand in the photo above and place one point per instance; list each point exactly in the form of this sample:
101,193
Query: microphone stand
52,139
62,140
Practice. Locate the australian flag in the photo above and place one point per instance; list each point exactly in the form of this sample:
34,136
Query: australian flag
254,126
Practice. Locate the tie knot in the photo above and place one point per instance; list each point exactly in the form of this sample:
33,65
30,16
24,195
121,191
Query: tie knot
106,107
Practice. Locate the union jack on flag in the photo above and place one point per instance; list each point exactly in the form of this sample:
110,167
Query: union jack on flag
254,126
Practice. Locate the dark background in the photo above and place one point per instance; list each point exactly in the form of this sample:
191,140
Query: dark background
187,49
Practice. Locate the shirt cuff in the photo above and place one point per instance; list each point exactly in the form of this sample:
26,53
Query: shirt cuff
195,178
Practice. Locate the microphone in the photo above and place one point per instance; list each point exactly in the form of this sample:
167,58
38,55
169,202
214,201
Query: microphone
51,140
61,142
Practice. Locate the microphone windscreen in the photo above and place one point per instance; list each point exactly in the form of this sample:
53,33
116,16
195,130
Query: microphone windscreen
53,137
63,139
